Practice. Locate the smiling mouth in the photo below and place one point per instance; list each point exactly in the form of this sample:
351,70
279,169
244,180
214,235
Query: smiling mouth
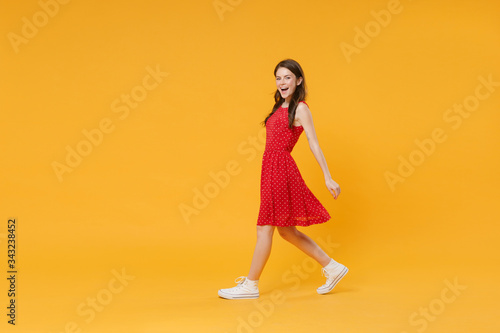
284,89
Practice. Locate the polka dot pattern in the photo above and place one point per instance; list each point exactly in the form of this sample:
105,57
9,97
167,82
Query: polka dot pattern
285,199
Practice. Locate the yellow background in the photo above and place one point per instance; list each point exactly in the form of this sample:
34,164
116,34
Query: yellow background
120,209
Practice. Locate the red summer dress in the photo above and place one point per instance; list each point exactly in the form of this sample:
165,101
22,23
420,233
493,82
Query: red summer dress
285,199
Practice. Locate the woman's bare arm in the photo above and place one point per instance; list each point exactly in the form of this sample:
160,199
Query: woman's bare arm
304,117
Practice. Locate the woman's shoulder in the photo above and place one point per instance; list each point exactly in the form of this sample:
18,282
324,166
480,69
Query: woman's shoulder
302,110
302,105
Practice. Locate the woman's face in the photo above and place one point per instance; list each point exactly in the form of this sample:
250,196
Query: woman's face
286,82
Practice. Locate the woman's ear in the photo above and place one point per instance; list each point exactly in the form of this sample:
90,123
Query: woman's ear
299,81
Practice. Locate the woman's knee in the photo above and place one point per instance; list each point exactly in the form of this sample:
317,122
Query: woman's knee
288,232
265,231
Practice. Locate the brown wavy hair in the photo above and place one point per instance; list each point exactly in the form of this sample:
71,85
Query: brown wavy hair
299,94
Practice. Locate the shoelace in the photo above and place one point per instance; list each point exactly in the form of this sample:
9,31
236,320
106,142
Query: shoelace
324,272
240,280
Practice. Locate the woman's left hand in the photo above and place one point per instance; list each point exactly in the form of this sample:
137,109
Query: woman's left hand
333,187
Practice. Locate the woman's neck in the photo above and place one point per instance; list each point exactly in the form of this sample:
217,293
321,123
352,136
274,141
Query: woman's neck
286,103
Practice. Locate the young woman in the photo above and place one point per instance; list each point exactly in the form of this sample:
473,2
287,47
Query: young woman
286,201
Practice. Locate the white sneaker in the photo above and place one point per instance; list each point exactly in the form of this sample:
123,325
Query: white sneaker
334,271
244,290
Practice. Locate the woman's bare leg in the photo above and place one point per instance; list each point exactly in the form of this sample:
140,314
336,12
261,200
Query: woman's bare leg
262,251
304,243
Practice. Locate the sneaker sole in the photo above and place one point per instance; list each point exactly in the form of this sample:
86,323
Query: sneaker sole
334,282
229,296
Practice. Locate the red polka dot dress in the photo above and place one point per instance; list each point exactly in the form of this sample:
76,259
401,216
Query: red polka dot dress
285,199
